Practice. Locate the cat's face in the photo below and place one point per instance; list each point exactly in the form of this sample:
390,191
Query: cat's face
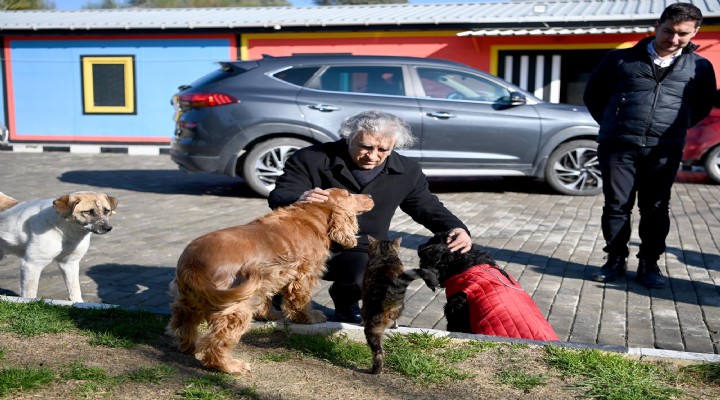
384,246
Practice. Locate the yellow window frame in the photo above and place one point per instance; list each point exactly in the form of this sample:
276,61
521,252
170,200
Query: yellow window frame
89,85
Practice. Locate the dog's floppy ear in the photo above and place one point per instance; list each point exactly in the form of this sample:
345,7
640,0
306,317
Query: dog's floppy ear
64,205
343,227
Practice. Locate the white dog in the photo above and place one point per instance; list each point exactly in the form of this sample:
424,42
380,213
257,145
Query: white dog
43,231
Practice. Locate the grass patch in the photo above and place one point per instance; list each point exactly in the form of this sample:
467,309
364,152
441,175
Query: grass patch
92,381
34,318
337,349
521,380
208,387
424,357
277,356
706,373
466,350
78,371
611,376
117,327
152,374
111,327
22,379
420,356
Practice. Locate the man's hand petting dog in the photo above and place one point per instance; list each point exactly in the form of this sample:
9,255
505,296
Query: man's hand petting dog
315,194
459,240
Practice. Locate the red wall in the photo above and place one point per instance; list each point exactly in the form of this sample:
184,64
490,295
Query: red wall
477,51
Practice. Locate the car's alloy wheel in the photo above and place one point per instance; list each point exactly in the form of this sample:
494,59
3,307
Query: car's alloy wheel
712,164
265,163
573,169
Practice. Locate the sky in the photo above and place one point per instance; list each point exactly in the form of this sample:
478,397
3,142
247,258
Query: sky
78,4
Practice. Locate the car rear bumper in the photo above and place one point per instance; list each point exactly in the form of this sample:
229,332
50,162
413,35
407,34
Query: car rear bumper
191,163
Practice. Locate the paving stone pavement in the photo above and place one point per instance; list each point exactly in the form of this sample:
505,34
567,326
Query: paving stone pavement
550,243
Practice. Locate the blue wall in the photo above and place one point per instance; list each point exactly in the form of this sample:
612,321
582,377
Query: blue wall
46,92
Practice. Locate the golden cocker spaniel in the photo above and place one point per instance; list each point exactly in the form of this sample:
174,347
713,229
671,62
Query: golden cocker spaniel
229,276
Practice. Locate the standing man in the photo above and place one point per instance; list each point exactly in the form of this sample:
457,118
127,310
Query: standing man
364,161
645,98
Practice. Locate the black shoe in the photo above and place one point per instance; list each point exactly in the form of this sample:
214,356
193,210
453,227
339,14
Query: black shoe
614,267
345,299
350,314
649,275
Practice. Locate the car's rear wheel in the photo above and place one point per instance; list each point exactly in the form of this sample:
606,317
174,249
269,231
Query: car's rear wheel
712,164
265,162
572,169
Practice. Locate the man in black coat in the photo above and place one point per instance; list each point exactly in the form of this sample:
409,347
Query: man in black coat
645,98
364,162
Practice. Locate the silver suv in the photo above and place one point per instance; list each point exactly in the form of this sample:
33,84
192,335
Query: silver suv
246,118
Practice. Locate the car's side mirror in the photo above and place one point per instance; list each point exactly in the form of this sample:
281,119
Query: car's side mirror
517,99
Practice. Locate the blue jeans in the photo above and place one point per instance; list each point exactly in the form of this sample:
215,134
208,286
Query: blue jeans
648,173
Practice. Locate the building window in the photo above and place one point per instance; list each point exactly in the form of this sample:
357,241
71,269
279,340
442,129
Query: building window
108,84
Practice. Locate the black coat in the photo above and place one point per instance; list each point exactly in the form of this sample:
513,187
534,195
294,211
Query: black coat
400,184
625,96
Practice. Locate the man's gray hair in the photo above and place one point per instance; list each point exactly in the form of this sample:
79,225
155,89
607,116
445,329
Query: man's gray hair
378,122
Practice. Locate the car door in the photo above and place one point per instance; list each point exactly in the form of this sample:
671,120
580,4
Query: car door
340,91
469,126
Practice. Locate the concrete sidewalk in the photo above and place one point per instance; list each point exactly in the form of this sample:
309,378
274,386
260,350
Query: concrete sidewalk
550,243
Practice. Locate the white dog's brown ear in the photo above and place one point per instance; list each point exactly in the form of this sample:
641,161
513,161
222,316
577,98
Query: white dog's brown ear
64,206
113,203
343,227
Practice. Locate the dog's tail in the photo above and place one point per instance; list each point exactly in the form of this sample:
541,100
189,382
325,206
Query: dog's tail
6,201
219,299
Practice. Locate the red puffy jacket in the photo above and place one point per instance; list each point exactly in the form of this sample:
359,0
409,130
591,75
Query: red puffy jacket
498,305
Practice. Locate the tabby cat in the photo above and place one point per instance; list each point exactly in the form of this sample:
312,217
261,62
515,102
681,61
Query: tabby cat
383,298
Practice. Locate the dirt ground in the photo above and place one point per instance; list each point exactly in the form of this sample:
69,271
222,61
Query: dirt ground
296,377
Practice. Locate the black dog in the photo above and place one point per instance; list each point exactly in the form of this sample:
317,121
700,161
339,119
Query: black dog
482,298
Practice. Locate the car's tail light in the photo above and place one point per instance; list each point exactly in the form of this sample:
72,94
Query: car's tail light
197,100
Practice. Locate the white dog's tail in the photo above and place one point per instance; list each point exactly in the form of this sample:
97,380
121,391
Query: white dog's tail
6,201
219,298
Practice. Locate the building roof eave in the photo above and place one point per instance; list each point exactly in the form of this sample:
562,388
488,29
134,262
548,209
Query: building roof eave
556,31
501,14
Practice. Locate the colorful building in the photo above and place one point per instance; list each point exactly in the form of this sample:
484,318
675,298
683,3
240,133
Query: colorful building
102,80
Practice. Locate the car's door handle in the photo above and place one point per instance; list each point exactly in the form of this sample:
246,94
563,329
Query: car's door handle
324,107
441,115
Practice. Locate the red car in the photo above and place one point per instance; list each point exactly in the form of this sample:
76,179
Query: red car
702,146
